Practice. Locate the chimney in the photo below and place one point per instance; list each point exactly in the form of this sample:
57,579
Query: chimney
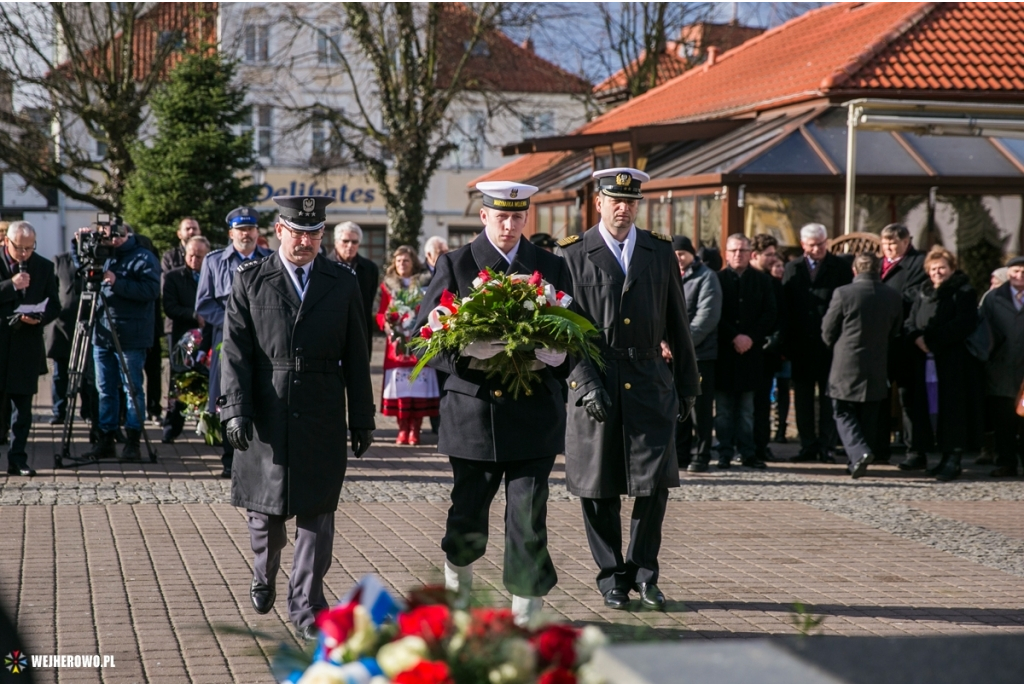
527,45
712,57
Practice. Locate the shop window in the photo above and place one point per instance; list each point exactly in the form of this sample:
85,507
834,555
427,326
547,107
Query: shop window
544,219
709,214
782,216
683,216
457,237
374,244
659,213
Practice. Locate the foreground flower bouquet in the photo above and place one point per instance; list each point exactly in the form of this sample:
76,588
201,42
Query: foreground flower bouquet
191,385
401,317
370,637
525,313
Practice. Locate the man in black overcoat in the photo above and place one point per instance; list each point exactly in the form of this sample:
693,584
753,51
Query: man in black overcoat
902,269
621,430
174,258
763,257
179,297
487,433
808,284
748,318
294,348
347,238
25,279
863,319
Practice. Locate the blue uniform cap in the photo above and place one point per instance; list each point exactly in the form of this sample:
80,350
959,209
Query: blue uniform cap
242,216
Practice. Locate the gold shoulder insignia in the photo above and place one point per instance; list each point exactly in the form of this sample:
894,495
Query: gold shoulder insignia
569,240
660,236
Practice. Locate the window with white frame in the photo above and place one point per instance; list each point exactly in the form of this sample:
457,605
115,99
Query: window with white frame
539,125
261,123
474,139
257,43
325,143
328,46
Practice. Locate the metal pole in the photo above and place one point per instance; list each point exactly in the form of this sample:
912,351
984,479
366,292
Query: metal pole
851,166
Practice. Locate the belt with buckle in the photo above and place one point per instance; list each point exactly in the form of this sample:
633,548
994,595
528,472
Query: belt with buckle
633,353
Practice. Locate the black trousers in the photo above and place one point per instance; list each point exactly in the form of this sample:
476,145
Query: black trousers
20,407
529,571
1008,427
701,420
857,425
885,421
154,368
763,413
603,521
314,545
782,404
820,436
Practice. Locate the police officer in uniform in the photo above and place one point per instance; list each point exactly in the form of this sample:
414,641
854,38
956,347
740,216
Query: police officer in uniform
489,435
622,421
215,279
294,347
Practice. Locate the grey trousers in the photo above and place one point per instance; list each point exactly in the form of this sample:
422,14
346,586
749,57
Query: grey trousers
314,545
857,424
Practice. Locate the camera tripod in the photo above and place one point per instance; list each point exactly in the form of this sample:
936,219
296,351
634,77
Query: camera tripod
85,324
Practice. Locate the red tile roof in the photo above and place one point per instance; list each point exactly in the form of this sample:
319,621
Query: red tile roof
670,65
525,167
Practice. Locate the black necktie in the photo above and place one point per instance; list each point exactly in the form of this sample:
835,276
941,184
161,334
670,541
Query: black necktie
302,278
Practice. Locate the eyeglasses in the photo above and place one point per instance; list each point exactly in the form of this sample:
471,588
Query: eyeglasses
18,248
299,235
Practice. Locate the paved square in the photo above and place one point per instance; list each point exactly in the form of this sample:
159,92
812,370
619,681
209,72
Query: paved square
150,562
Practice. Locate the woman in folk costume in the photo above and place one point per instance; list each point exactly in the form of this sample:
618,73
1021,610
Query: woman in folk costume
408,401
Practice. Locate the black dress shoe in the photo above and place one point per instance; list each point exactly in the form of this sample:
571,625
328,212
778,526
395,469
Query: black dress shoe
724,463
805,455
616,598
226,473
826,457
698,465
262,596
860,467
913,462
650,596
20,471
754,463
307,634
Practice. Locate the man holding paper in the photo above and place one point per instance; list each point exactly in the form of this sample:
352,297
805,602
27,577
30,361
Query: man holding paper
28,302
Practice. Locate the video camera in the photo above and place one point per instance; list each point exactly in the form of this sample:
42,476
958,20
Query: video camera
93,248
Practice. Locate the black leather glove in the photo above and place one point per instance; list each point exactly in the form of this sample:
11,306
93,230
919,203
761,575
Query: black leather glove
361,440
239,432
685,407
597,403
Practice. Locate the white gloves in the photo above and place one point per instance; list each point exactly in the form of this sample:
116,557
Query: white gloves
549,356
484,349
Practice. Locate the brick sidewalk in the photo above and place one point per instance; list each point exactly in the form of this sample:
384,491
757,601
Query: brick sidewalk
150,563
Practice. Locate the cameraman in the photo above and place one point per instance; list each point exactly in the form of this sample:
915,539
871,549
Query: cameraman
25,279
131,286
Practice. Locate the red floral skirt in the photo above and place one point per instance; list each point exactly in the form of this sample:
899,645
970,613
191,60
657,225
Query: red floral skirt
410,407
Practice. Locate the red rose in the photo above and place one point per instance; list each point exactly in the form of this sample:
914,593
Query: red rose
484,276
425,332
536,278
555,675
540,292
556,645
448,300
336,624
426,672
429,622
489,622
392,317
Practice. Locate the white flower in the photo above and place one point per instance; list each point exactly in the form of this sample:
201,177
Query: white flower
529,306
467,298
588,674
401,655
477,282
520,665
434,320
587,643
542,302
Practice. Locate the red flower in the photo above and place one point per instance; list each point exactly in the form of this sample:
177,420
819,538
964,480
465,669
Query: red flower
392,317
536,278
560,294
427,672
336,624
556,645
448,300
491,622
483,275
555,675
540,292
425,332
429,622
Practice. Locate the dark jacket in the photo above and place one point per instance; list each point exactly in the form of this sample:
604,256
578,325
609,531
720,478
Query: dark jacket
480,419
633,452
703,294
944,317
60,333
864,318
173,259
179,298
806,303
906,277
1004,371
131,299
368,276
775,343
748,308
296,462
22,354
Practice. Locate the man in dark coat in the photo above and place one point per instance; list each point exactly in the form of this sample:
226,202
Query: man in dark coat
25,279
174,258
293,349
622,420
348,236
764,255
863,319
1002,308
902,270
61,332
808,284
486,432
748,317
179,298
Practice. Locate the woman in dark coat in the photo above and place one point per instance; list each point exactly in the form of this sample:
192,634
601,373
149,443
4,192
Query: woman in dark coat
943,315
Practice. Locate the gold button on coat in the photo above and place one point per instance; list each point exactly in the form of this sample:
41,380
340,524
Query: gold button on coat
626,321
573,384
497,393
628,386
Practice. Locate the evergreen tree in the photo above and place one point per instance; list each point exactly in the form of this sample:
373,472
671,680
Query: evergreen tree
195,165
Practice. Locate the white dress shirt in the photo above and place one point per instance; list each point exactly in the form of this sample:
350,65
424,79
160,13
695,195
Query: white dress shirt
625,255
510,257
291,269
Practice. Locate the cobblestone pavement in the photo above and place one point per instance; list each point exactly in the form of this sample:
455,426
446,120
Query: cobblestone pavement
151,564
